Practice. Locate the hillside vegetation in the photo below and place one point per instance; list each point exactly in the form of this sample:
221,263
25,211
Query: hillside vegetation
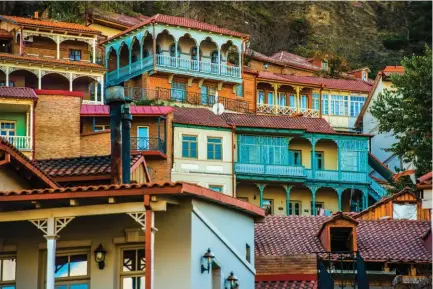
371,34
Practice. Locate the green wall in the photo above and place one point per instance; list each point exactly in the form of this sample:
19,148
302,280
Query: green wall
19,117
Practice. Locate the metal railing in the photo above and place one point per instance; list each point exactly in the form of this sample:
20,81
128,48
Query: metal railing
20,142
381,191
280,170
286,110
147,144
187,97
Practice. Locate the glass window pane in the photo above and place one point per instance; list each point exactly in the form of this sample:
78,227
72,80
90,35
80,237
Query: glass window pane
79,286
62,287
141,259
78,265
129,260
62,267
9,268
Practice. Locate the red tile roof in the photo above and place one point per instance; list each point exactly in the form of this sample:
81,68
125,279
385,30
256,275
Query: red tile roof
296,60
198,116
341,84
138,110
45,23
318,125
30,59
79,166
180,189
4,34
17,92
286,285
425,179
183,22
117,18
380,240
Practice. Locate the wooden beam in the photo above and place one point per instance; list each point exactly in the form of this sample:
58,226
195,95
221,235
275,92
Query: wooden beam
6,160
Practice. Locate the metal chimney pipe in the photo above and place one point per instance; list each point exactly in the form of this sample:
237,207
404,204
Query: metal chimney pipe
126,141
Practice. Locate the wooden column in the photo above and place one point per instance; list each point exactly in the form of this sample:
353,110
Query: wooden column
287,189
261,189
94,50
7,75
58,46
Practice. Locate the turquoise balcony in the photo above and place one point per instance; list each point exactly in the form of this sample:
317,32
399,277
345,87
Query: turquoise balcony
270,170
174,50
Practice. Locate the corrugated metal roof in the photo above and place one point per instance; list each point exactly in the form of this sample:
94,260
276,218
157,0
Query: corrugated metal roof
104,110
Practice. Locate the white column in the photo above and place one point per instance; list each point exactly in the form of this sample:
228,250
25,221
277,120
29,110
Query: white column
329,104
28,121
102,89
51,252
7,75
70,81
39,79
94,50
152,260
31,125
58,46
95,83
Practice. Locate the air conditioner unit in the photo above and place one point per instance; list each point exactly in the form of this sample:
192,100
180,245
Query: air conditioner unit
28,39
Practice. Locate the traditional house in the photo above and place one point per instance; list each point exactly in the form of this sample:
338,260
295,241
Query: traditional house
46,54
424,185
174,59
341,251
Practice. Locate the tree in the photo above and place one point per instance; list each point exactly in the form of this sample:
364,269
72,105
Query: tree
406,111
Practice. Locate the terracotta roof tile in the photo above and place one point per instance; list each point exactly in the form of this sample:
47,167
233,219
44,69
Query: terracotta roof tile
104,110
4,34
286,285
121,19
198,116
380,240
17,92
319,125
342,84
14,57
183,22
80,166
425,179
295,60
49,24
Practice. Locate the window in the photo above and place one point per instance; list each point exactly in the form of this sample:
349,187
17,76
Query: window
295,158
172,47
350,161
216,188
11,83
248,253
319,206
8,266
101,127
7,128
404,211
325,104
339,105
270,97
281,98
320,161
133,265
324,65
341,239
189,146
72,271
74,55
295,208
268,206
293,101
240,90
315,100
261,97
214,148
304,102
356,103
214,57
364,75
194,54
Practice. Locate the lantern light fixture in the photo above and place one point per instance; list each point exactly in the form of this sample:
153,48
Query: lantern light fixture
207,257
100,253
232,281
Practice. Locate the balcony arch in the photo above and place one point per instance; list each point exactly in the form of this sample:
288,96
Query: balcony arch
165,40
300,152
123,55
87,84
135,49
231,53
207,46
147,44
55,81
24,78
46,48
351,200
329,160
111,59
326,198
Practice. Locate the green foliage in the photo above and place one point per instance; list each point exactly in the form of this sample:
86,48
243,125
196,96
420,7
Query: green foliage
395,42
301,29
337,64
406,111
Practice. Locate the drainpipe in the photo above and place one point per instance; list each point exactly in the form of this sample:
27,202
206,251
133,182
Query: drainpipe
320,101
21,42
126,140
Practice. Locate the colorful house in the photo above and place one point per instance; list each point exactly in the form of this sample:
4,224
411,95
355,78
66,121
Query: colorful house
45,54
168,58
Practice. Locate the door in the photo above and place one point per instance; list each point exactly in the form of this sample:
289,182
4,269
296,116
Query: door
178,91
143,138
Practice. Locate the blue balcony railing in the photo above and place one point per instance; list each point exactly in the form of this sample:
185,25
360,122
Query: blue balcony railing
147,144
381,191
176,65
273,170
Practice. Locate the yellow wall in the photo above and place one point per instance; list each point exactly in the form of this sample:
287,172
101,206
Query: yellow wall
277,193
328,147
106,31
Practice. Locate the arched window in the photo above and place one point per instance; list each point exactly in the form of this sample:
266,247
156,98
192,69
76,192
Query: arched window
145,53
172,47
214,57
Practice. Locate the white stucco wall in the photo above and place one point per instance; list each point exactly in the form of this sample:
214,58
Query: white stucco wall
202,171
226,233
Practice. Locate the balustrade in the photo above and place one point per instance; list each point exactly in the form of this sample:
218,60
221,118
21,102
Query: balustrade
274,170
20,142
147,144
285,110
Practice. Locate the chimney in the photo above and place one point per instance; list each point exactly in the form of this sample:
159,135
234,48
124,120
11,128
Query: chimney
36,15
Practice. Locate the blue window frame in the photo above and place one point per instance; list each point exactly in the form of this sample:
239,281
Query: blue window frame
293,101
356,104
74,55
295,158
261,97
216,188
240,90
304,101
282,99
189,146
214,148
172,47
270,97
214,57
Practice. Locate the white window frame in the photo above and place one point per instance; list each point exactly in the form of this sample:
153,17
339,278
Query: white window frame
9,130
357,105
101,127
292,203
9,282
364,75
339,105
120,272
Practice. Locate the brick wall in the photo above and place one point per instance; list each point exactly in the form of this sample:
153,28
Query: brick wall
57,126
95,144
46,47
259,66
294,264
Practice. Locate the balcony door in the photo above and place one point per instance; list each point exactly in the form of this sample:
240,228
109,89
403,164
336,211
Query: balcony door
207,95
142,138
178,91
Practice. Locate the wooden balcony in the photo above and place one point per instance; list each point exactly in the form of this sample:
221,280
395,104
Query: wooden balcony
286,110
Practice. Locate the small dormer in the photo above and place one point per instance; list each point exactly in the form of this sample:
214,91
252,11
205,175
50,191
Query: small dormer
361,73
338,234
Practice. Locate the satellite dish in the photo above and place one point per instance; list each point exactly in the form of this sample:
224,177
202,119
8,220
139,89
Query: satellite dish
218,108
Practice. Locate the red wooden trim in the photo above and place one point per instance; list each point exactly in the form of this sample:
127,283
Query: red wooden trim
148,250
59,92
6,160
150,153
286,277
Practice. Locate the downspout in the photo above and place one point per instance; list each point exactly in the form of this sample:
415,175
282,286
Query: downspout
320,101
34,130
233,162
